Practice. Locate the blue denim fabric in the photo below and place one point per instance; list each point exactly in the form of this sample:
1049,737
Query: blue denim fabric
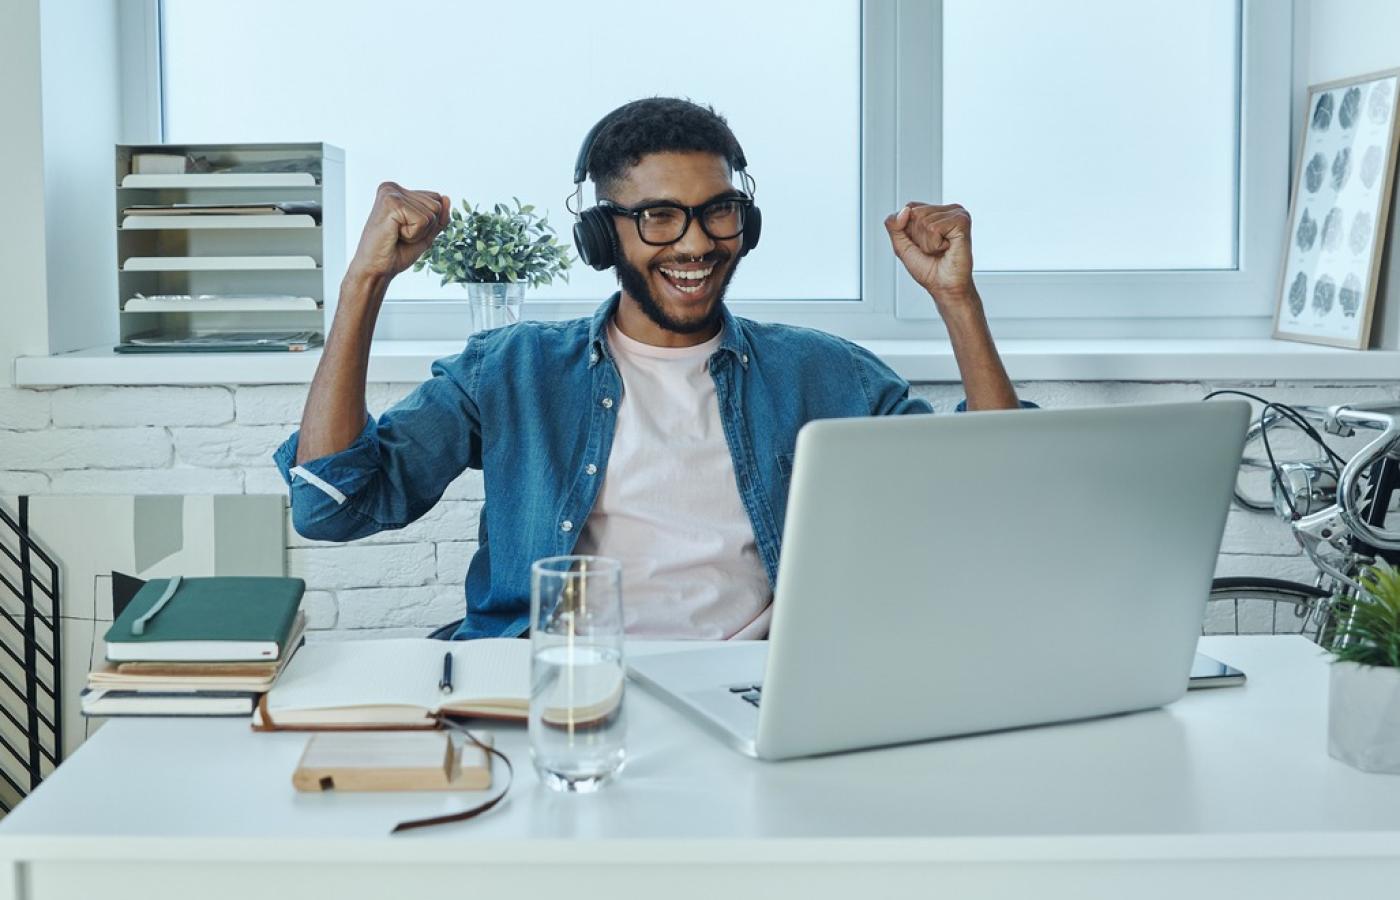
534,405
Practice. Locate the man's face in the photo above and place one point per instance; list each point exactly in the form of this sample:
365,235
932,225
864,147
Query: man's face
679,286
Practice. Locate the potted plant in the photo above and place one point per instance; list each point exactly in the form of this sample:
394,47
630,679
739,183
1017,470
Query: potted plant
1364,704
496,253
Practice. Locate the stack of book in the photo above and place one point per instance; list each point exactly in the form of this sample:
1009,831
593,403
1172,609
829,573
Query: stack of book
197,647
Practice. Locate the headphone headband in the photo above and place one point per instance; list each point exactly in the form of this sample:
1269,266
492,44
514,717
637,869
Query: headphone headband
585,152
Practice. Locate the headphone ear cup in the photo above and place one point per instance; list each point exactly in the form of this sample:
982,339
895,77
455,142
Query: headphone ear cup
753,228
595,239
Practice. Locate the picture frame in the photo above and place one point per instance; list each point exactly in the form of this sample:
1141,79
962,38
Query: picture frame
1339,211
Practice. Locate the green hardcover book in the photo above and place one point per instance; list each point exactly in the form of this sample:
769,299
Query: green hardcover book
225,618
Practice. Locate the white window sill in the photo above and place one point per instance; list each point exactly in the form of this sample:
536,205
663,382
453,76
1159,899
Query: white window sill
1118,359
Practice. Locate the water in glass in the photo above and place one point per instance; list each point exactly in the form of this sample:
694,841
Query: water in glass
577,719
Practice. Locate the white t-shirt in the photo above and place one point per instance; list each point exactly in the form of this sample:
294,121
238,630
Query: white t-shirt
669,506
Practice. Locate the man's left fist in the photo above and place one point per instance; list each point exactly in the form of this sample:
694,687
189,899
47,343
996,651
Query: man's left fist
935,245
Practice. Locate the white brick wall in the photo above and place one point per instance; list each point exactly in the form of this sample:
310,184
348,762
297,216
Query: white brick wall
108,407
190,440
21,410
345,566
246,445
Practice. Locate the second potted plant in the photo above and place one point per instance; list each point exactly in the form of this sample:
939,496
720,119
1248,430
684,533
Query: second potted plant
496,253
1363,716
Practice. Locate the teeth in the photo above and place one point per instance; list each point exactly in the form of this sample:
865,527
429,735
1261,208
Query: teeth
699,275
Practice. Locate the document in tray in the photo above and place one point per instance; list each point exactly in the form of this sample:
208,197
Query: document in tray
231,342
290,208
220,302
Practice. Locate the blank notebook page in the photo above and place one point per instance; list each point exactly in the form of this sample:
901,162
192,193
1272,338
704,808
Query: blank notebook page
401,671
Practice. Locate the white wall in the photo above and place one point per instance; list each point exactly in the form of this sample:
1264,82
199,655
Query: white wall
1351,37
82,110
23,276
60,107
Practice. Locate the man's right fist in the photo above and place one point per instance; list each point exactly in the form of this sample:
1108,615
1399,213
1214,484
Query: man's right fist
402,224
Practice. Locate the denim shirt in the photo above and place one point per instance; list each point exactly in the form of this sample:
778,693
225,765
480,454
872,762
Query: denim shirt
534,405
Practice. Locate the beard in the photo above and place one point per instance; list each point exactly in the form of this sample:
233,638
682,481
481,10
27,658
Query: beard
634,283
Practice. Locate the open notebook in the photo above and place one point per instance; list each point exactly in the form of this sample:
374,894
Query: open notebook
393,683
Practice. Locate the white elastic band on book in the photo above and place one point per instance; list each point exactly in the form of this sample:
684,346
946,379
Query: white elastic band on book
139,626
325,487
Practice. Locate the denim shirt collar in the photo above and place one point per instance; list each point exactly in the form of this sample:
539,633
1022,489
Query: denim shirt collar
733,339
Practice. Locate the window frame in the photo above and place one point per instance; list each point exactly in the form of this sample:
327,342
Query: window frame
901,159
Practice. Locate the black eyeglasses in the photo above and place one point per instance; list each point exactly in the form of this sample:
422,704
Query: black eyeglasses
659,224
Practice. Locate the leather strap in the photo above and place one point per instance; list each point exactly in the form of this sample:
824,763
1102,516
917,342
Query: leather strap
448,725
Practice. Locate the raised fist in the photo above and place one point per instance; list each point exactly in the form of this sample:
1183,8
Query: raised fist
401,225
935,245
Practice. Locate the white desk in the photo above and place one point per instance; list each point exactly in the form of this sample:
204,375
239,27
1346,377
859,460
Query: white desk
1227,793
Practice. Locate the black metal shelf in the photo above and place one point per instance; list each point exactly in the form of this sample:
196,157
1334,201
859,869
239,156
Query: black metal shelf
30,645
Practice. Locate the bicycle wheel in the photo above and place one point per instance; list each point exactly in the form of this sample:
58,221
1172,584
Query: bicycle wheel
1250,605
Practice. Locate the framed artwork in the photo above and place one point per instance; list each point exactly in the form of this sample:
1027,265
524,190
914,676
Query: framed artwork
1337,220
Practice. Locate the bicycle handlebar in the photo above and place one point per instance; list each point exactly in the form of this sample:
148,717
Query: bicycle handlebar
1378,417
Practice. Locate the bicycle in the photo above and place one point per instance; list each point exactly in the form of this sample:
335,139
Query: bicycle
1336,508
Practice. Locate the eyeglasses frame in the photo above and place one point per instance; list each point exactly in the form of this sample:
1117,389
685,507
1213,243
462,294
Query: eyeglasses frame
692,213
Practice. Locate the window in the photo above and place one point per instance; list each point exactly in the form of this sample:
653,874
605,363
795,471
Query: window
1126,164
490,101
1224,79
1111,144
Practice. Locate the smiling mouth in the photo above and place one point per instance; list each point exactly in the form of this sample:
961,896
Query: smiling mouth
688,281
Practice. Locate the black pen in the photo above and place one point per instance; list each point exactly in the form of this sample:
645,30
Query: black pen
445,685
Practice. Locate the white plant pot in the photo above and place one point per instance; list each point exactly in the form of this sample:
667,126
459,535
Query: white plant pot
1363,717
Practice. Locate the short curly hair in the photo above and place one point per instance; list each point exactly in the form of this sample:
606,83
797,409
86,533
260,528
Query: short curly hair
657,125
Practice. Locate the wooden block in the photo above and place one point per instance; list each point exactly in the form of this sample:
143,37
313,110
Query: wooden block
392,761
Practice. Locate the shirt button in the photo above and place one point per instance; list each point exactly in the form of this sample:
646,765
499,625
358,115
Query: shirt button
566,526
607,403
744,359
591,469
593,357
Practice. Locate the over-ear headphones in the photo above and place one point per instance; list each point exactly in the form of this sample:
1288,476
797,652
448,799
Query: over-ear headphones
595,231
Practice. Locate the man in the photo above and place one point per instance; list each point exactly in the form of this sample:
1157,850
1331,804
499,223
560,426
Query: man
660,431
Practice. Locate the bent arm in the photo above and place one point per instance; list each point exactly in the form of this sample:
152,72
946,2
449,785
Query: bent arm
335,407
394,469
935,245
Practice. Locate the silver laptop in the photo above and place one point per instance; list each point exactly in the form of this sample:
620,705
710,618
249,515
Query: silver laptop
948,575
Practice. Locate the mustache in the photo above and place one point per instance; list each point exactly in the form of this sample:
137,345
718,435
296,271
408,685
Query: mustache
714,257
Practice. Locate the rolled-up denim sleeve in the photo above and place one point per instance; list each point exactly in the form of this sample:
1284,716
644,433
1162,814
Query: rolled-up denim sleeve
886,392
398,466
1025,404
889,394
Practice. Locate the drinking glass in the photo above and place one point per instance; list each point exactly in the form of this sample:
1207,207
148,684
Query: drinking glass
577,723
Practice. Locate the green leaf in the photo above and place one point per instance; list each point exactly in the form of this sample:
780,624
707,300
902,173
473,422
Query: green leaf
496,243
1369,626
